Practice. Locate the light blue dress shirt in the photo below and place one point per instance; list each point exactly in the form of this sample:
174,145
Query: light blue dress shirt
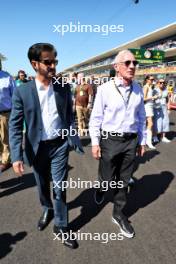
111,114
7,85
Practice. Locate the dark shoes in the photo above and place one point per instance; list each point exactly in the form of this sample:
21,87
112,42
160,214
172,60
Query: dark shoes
131,182
66,237
98,197
4,167
125,227
45,219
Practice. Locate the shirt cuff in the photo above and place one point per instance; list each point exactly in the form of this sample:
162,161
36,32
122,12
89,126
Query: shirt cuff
95,141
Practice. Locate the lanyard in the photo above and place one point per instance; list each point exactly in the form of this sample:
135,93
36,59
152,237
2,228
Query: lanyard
128,98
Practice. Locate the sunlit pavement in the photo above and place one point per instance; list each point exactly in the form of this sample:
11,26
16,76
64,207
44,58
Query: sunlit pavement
151,209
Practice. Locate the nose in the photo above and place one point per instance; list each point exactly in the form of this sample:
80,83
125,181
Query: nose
131,64
52,65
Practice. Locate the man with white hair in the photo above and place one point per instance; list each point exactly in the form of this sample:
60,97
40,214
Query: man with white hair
117,129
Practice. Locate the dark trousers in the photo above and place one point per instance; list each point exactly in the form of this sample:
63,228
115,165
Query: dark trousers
116,164
51,162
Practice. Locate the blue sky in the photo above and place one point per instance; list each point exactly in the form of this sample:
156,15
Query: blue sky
25,22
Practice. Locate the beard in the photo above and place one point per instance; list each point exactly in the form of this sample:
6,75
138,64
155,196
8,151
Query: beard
48,73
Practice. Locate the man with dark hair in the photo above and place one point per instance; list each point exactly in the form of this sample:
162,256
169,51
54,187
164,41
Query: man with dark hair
7,86
46,107
36,50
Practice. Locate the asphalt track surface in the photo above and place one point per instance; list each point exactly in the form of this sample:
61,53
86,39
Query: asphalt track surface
151,209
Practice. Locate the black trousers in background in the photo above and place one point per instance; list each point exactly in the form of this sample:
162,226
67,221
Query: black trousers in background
117,164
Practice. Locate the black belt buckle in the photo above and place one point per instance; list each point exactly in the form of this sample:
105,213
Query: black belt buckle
52,141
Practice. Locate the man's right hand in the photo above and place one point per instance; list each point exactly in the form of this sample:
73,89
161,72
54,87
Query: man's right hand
96,152
18,167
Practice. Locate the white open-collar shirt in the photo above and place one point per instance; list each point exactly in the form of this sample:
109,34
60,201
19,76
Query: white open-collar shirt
51,122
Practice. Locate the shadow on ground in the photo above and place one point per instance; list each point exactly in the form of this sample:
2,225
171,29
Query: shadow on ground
17,184
7,241
146,190
89,208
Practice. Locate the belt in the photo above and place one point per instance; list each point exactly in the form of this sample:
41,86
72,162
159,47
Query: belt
53,141
5,111
122,135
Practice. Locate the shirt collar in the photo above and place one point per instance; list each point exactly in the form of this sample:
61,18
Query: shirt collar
119,83
39,85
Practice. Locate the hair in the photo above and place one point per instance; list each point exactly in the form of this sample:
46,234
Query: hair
147,77
74,74
34,52
121,54
23,72
159,79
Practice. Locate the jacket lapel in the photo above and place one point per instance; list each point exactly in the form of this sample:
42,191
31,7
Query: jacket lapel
36,100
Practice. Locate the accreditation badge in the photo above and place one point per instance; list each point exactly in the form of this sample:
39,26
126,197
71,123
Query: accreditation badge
81,93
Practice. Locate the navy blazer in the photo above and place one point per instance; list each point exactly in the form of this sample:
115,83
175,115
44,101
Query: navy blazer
26,106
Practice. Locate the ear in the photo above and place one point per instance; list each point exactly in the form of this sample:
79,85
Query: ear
34,65
116,67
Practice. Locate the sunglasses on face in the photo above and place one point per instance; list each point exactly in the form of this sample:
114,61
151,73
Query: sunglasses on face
161,82
151,79
128,62
49,62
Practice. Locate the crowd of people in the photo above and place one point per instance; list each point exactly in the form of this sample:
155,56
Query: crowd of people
157,96
157,117
122,118
167,44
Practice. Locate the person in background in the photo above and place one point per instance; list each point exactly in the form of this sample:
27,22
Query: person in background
7,86
112,73
148,100
161,117
30,78
83,103
174,96
94,88
73,83
170,89
21,78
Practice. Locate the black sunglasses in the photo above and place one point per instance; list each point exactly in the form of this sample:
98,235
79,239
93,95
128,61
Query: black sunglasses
161,82
128,62
49,62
